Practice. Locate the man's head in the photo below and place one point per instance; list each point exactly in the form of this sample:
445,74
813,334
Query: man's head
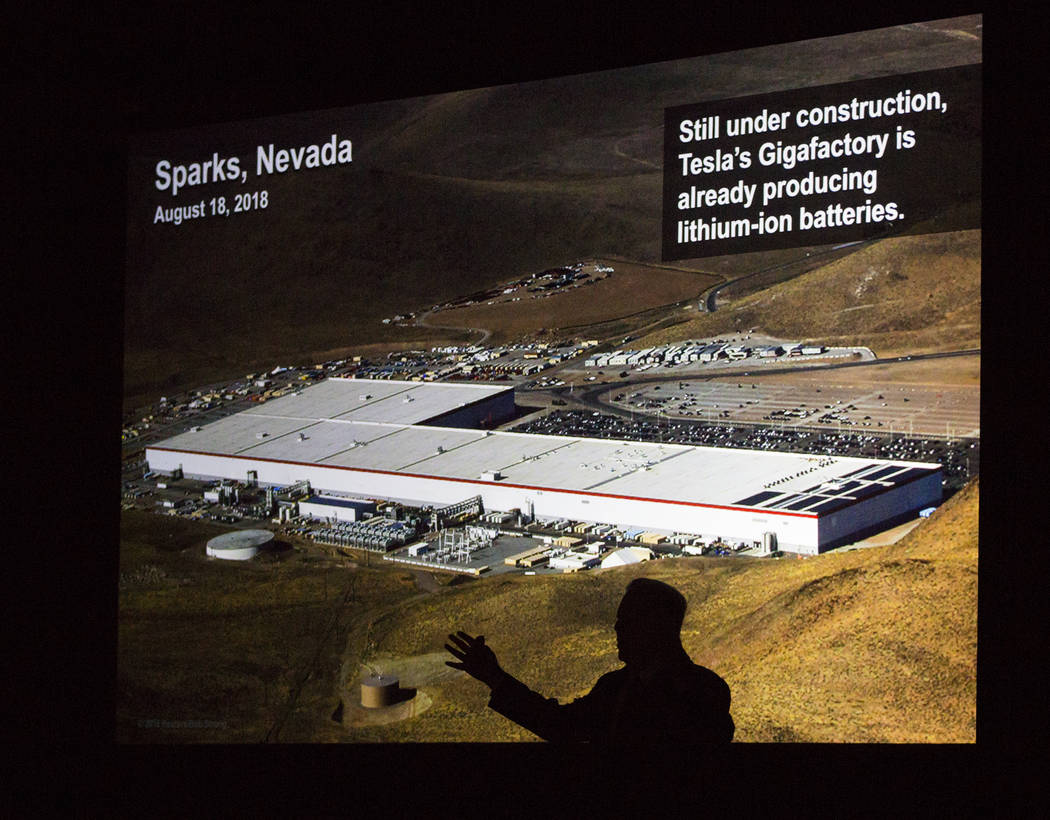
649,620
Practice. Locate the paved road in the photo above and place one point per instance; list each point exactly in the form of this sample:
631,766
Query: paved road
425,581
421,321
712,295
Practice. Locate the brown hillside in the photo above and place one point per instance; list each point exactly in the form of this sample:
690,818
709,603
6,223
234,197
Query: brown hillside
874,645
902,295
871,645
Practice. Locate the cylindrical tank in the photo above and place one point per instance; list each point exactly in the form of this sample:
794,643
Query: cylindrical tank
239,545
379,691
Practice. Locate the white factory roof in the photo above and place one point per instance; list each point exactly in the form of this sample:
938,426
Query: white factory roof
376,400
338,429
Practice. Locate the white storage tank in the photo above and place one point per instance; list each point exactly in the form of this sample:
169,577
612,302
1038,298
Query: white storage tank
240,545
769,542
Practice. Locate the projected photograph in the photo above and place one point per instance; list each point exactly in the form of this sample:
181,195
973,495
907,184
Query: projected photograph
474,362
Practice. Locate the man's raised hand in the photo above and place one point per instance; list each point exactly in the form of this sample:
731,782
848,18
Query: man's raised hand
476,659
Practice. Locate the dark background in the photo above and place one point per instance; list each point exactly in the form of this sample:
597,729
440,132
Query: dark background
85,78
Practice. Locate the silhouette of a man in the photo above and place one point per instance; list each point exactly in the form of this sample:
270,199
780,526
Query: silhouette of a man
659,696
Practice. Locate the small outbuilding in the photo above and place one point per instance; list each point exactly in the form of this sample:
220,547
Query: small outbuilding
340,509
625,556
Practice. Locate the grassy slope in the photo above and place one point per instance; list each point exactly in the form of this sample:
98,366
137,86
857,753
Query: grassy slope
228,643
870,645
901,295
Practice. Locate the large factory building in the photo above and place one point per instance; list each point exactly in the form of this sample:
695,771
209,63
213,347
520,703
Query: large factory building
416,443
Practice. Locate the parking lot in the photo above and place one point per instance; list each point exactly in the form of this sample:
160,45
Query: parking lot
831,403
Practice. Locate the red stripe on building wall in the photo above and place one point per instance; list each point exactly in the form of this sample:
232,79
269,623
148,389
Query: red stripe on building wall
761,510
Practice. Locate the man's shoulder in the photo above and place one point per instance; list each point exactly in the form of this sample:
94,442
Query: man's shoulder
694,677
687,674
703,673
611,680
705,685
